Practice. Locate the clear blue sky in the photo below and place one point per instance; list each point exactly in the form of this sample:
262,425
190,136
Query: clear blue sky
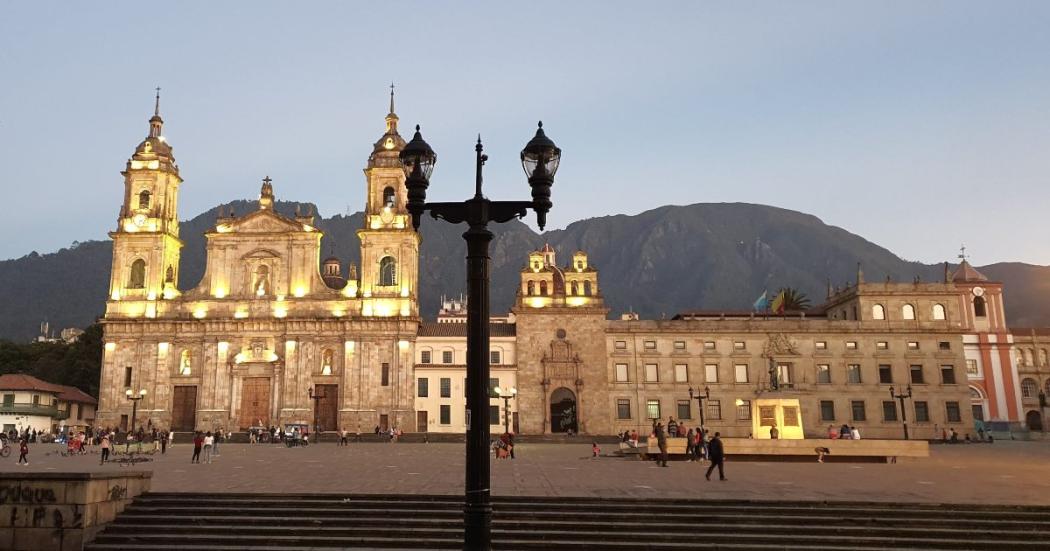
918,125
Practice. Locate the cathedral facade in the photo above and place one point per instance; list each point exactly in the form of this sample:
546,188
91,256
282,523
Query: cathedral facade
273,335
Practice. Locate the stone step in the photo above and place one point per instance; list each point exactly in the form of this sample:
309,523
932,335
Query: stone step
656,531
1022,529
323,539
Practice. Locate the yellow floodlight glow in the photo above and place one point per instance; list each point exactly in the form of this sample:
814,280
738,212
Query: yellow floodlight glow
168,294
223,347
403,345
200,312
376,223
300,292
536,302
576,301
351,289
111,346
223,228
151,296
404,291
115,295
367,293
240,314
220,292
151,310
289,345
338,313
162,349
280,312
240,357
349,347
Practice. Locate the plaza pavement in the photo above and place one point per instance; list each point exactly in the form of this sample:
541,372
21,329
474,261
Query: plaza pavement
1001,473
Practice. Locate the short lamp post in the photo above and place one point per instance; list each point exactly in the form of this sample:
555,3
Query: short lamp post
700,400
134,397
540,159
904,413
507,396
316,399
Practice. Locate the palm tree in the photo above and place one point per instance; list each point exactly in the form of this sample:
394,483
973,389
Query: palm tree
794,299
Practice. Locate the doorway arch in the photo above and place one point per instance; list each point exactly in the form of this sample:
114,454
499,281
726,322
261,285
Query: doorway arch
563,411
1034,420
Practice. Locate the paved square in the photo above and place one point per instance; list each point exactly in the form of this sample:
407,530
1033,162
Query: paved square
1003,473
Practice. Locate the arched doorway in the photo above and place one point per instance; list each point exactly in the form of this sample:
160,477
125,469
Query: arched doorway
1034,420
563,411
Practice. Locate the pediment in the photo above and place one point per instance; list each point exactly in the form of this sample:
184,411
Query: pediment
263,221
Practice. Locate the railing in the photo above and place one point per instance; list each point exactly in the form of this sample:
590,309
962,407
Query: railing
29,409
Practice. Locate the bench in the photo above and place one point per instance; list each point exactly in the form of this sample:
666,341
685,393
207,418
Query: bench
675,447
883,451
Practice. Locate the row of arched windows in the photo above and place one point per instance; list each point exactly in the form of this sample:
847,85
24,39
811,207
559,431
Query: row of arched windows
1030,388
938,312
1032,357
531,288
575,288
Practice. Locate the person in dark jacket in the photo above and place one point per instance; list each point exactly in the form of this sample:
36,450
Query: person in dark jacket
716,454
661,441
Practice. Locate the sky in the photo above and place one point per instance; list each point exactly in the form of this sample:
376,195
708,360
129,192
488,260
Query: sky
917,125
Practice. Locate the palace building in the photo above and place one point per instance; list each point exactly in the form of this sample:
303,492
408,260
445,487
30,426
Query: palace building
274,335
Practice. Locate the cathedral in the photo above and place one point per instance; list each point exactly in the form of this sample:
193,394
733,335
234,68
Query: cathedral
273,335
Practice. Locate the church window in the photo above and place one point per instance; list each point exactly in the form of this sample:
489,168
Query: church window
543,288
878,312
385,375
587,288
326,361
978,307
1042,357
144,199
261,285
138,274
908,312
127,376
185,363
388,197
169,275
531,286
575,288
387,271
938,312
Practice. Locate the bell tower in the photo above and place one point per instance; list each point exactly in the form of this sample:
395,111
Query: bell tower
389,245
146,241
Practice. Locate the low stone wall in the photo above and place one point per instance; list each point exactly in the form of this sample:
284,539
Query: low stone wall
875,449
62,511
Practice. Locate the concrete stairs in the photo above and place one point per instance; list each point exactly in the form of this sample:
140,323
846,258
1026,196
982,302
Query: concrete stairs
228,522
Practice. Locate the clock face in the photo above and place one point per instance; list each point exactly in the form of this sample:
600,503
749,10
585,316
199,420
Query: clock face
978,291
387,215
140,219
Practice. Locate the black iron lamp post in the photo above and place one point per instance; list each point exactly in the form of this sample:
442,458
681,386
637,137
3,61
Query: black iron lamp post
507,396
904,413
700,400
316,398
540,160
134,397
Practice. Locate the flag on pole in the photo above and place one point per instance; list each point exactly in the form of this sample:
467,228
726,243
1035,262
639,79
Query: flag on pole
762,303
778,303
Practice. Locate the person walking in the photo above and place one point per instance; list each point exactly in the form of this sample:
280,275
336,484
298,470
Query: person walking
198,443
163,442
689,437
105,444
209,442
23,451
661,442
219,435
171,437
716,453
344,438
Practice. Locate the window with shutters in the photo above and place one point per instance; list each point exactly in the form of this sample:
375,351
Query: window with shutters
623,408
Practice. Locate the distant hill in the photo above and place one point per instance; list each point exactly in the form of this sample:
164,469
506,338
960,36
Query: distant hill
658,263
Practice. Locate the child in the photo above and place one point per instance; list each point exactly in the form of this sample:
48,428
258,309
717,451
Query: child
595,450
23,452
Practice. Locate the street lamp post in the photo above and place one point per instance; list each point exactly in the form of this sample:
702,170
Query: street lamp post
507,396
540,159
904,413
316,398
134,397
700,400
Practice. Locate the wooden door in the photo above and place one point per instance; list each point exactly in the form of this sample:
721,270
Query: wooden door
184,408
327,407
421,421
255,402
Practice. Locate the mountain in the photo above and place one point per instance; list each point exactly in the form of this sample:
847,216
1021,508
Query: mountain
658,263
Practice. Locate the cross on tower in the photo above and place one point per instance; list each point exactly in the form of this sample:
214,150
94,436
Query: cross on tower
962,252
156,106
267,180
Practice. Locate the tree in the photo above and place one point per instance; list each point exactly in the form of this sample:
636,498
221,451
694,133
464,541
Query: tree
794,299
76,364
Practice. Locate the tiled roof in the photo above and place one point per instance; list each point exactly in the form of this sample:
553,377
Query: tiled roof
21,381
428,329
965,272
74,394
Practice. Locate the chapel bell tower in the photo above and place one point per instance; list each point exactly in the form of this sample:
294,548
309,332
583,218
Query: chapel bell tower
146,241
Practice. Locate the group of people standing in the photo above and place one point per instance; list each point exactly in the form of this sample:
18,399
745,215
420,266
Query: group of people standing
698,446
208,443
